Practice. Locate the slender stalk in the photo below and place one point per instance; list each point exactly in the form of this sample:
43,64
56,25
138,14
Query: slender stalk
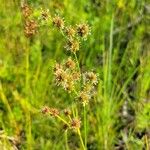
66,140
27,68
85,128
81,140
77,62
60,118
110,57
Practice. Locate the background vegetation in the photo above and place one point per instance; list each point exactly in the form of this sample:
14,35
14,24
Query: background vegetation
117,49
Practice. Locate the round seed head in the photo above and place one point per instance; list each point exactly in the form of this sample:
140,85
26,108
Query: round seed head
76,76
26,10
54,112
60,76
83,30
76,123
67,112
92,77
45,14
84,98
30,28
70,63
73,46
70,32
58,22
45,110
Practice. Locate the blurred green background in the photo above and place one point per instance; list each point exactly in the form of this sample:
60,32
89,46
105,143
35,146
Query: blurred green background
118,49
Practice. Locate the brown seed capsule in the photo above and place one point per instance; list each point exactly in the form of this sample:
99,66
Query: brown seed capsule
54,112
45,14
30,28
73,46
45,110
92,77
58,22
68,85
60,76
83,30
70,32
70,63
26,10
65,126
76,76
84,97
76,123
58,67
67,112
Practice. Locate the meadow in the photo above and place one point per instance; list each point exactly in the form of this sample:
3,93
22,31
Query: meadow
74,75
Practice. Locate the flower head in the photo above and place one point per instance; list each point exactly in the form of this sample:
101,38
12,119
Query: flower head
45,110
54,112
70,32
76,76
30,28
91,77
73,45
67,112
26,10
76,123
45,14
70,63
84,97
83,30
60,76
58,22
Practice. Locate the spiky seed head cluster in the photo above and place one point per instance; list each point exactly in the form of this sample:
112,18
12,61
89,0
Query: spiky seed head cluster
83,30
65,74
91,77
73,45
30,28
45,110
70,63
76,76
26,10
30,25
72,123
67,112
51,111
70,31
89,82
84,97
75,123
58,22
45,14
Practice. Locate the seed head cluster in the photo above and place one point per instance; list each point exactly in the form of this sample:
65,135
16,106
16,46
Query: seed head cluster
66,75
30,28
51,111
45,14
70,31
73,45
72,123
58,22
83,30
26,10
76,123
30,25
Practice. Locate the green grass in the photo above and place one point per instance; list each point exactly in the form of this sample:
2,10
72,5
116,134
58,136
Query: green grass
117,49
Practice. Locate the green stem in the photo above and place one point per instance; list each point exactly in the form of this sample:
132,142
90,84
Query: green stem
77,62
85,127
60,118
81,140
27,68
66,140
